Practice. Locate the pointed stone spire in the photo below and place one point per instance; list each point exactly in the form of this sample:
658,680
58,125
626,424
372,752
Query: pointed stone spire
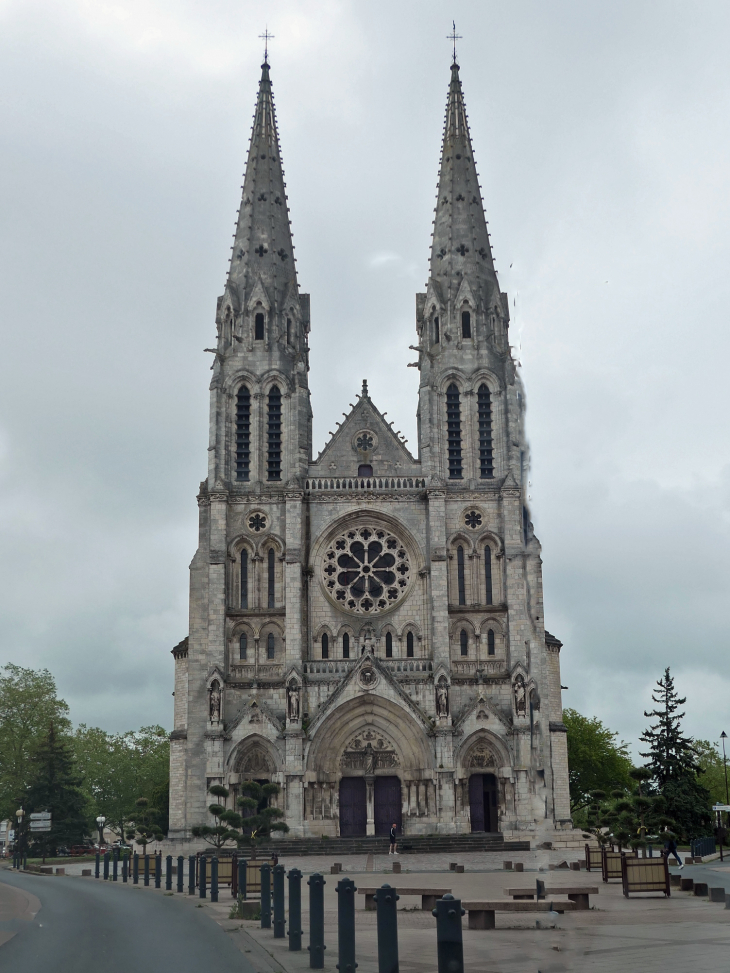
460,246
263,249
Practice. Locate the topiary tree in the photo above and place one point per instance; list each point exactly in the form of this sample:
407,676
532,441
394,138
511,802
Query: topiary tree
259,820
146,824
226,821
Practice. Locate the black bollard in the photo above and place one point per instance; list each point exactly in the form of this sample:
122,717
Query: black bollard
316,921
386,899
180,873
203,877
146,869
295,910
115,864
158,870
125,867
214,879
450,946
346,889
96,866
135,869
191,875
242,877
107,856
279,911
266,896
168,873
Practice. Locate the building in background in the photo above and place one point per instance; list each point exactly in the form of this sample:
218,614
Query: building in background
366,627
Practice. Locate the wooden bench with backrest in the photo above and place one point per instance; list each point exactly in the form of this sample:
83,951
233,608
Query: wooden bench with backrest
428,896
578,894
482,912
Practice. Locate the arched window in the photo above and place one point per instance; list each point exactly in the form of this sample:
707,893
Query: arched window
436,331
460,574
465,324
271,578
325,646
243,433
270,646
244,578
274,435
388,645
409,645
453,428
258,327
243,646
490,642
464,641
488,574
486,452
288,331
345,646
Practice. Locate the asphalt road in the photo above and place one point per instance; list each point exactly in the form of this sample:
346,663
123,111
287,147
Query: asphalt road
85,926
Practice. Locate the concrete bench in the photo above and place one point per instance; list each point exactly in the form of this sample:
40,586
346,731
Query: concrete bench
428,896
576,894
482,913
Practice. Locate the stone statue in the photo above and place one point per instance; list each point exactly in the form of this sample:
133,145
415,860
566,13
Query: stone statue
215,703
293,702
520,696
442,699
369,764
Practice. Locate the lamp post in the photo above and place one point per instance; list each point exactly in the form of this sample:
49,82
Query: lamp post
723,737
19,814
101,820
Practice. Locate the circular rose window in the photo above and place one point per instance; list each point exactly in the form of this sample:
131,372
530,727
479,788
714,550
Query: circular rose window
366,570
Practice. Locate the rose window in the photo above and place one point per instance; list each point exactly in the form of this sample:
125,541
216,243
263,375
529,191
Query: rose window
366,570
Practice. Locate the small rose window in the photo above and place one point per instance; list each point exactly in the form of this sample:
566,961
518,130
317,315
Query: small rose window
366,570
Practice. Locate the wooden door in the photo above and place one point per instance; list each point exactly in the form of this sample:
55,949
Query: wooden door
489,794
353,807
476,802
388,804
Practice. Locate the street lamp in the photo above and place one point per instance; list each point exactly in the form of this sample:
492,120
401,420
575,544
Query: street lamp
19,814
101,820
723,737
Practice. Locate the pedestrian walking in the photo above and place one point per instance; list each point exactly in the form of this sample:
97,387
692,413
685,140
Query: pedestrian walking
670,848
393,839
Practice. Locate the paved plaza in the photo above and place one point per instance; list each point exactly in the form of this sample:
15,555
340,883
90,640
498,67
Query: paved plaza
647,932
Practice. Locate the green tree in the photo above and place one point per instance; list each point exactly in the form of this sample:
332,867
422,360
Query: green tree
145,826
596,760
673,762
56,787
119,768
259,819
28,705
709,760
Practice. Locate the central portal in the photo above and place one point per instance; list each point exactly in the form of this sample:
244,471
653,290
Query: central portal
385,793
483,802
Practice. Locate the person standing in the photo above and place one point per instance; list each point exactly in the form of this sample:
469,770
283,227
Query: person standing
393,839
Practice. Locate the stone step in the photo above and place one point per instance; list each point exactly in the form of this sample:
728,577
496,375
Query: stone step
409,844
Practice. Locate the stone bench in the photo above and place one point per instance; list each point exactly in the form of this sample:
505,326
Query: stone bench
428,896
576,894
482,913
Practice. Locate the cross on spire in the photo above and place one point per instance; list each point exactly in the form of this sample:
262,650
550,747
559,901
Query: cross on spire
266,37
453,37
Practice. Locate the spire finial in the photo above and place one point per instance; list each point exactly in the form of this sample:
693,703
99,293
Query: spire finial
453,37
266,37
364,386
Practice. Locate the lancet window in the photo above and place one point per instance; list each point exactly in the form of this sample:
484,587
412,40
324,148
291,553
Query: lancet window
271,579
243,433
345,646
464,642
453,427
270,646
460,581
488,575
258,327
243,646
325,646
388,645
436,331
486,451
409,645
465,324
274,435
244,578
490,642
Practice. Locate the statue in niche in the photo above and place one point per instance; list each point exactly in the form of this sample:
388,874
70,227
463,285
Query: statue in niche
369,764
442,699
520,696
215,702
293,701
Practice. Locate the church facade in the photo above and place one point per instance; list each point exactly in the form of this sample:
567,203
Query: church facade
366,627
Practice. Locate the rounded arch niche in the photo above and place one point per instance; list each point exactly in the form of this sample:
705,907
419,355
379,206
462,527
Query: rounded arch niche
364,720
253,758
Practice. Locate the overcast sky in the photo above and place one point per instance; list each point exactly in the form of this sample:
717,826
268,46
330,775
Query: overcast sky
602,140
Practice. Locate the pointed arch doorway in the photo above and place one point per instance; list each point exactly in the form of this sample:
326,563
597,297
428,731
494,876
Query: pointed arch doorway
483,805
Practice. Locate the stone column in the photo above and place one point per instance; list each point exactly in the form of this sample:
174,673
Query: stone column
439,578
370,789
293,585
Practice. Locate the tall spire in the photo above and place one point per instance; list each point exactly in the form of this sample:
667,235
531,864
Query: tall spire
460,246
263,248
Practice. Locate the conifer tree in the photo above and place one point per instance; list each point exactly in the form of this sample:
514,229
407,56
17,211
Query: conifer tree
672,760
56,787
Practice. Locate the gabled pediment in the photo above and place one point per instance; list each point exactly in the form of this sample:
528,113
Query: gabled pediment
465,293
259,296
433,297
483,713
256,713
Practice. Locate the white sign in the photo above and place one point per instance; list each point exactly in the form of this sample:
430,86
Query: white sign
41,816
11,835
721,807
40,825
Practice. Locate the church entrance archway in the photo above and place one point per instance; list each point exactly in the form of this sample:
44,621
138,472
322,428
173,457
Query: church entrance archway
483,802
388,804
353,807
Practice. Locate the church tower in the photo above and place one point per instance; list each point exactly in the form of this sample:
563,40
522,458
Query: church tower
366,626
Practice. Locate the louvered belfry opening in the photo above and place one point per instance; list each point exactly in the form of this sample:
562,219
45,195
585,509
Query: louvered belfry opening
274,435
243,434
486,449
453,426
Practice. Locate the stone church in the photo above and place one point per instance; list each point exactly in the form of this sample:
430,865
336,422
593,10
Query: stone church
366,627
